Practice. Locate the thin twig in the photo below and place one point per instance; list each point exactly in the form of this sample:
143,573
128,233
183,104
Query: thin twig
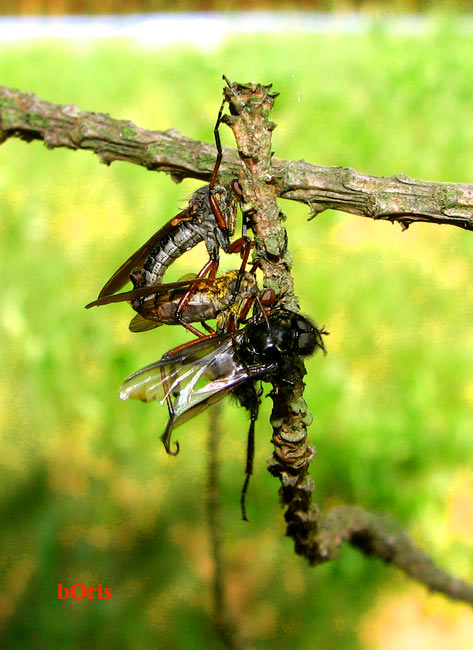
379,536
395,198
226,626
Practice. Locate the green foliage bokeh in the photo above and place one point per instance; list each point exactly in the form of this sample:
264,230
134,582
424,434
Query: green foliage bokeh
87,494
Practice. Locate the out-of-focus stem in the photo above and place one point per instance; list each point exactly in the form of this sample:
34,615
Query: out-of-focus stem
226,626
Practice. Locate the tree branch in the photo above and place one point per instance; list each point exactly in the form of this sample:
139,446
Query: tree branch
375,536
250,106
396,198
316,536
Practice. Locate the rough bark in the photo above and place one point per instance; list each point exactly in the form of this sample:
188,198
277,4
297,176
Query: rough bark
378,536
396,198
316,536
250,106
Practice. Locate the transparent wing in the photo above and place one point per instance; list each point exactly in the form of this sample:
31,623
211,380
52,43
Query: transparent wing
193,379
142,292
122,274
140,324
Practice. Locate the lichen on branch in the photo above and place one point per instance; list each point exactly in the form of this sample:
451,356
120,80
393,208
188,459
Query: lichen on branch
395,198
317,536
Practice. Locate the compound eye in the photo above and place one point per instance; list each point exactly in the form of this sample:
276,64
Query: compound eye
306,343
304,325
268,298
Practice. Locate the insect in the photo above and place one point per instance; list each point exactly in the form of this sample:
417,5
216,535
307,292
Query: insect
191,379
229,297
209,216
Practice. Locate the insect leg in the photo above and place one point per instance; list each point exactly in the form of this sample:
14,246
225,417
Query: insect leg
250,454
194,330
166,437
210,268
183,346
242,245
219,218
244,312
218,144
208,328
266,298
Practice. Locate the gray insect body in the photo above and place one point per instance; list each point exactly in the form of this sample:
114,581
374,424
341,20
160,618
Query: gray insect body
225,297
194,224
200,226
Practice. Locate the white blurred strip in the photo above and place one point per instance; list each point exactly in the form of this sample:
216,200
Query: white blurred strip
208,30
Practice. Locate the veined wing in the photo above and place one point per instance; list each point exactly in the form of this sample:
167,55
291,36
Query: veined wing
141,292
122,275
193,382
140,324
147,384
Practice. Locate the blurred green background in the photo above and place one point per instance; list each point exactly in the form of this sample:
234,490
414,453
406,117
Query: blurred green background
87,493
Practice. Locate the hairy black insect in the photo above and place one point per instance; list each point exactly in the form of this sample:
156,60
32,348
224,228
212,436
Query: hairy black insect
191,379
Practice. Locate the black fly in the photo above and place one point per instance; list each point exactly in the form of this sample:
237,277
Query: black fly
192,379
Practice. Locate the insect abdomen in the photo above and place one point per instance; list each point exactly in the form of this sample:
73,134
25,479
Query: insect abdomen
173,246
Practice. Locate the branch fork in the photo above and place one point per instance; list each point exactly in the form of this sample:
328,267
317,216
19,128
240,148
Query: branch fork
317,536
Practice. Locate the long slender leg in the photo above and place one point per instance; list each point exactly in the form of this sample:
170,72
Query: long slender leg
194,330
244,312
184,346
267,298
166,437
250,454
219,218
243,245
210,268
209,329
217,213
218,144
